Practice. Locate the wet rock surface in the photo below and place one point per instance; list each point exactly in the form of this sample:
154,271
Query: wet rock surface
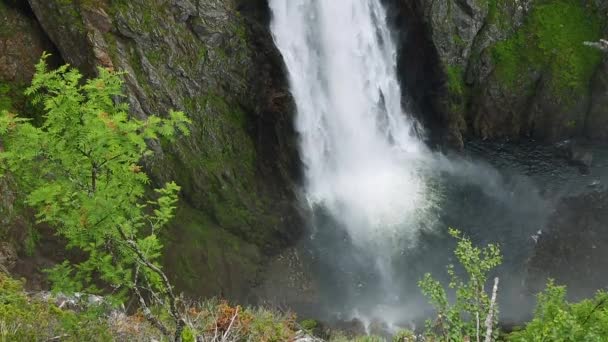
572,249
488,83
576,153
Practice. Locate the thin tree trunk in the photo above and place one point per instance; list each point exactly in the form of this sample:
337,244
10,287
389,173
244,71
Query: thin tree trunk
490,318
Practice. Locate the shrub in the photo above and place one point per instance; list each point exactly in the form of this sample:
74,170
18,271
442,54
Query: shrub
464,318
27,319
557,320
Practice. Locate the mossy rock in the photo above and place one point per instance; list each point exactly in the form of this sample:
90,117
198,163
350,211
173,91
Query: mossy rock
204,259
531,73
552,40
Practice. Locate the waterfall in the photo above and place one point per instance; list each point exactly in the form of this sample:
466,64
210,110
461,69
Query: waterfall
360,150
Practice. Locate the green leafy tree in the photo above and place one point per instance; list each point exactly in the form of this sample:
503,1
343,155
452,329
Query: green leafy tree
559,321
473,314
81,172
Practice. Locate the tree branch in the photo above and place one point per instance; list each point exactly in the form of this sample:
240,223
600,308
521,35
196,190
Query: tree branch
111,159
599,304
147,312
179,321
477,317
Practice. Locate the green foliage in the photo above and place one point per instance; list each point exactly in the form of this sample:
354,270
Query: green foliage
27,319
551,40
81,172
24,318
557,320
309,325
404,336
6,103
188,335
13,99
457,88
455,80
458,321
265,327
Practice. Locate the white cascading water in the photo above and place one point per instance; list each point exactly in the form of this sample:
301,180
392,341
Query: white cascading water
359,148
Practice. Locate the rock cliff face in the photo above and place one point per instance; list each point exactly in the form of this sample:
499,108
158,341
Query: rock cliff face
22,42
513,69
214,60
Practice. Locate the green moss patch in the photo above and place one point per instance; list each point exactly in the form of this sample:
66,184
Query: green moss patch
455,80
205,259
551,41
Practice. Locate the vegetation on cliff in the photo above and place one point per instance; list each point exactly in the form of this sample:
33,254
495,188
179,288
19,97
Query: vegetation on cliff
551,39
519,69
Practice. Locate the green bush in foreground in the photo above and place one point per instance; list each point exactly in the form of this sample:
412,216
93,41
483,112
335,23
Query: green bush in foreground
80,171
26,319
465,318
555,319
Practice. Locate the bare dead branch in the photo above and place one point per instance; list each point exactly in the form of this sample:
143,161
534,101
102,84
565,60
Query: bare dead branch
227,332
602,45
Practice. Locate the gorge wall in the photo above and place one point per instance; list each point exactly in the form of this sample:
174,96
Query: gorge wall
491,69
506,69
215,61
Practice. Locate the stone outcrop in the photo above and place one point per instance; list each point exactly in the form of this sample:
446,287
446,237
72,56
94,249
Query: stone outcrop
22,42
8,257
